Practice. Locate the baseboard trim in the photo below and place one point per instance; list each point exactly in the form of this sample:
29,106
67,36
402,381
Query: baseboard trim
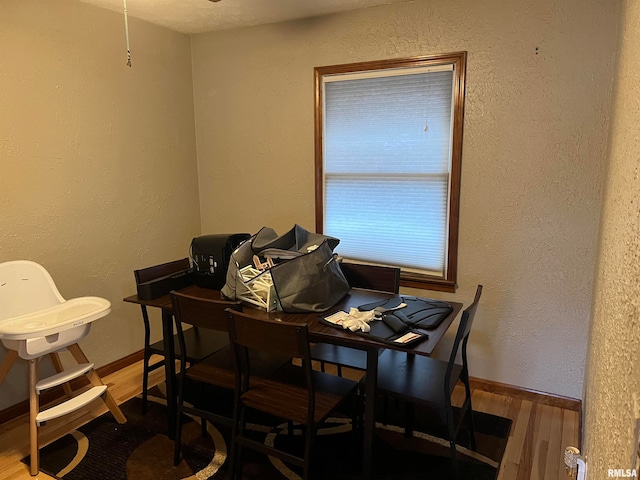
120,364
527,394
56,393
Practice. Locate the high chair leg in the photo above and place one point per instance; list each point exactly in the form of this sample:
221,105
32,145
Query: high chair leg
33,413
57,364
95,380
7,363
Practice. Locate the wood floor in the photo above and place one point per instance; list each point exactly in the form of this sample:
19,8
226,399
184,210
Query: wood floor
535,449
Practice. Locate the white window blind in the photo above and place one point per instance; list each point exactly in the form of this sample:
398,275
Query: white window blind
386,165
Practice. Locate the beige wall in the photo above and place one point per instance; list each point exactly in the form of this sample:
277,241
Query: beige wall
612,390
537,112
97,160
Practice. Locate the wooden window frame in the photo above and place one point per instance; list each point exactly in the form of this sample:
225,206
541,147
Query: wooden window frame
448,282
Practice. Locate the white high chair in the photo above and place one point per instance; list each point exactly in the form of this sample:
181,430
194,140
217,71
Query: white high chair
35,320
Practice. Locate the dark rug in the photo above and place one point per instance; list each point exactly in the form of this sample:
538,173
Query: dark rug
140,450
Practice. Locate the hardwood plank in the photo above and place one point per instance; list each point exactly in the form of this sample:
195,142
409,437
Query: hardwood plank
570,426
528,445
491,403
508,471
541,442
458,396
509,468
555,454
513,453
478,400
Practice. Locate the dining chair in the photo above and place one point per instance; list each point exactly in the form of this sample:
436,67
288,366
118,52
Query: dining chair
214,374
367,277
197,342
216,369
420,380
297,394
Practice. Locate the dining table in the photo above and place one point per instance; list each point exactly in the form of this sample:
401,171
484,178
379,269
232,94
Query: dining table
319,331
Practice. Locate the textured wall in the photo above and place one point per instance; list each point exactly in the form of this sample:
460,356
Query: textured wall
612,393
98,170
537,112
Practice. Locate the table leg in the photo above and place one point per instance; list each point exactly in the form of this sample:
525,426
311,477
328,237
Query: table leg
369,412
169,370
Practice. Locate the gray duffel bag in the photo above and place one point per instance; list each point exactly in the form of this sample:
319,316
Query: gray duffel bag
306,275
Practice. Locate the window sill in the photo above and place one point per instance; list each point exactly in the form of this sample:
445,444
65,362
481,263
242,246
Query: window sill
425,282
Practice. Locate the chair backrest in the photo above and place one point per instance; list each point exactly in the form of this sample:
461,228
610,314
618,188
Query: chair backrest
247,333
288,339
26,287
464,329
202,312
150,273
372,277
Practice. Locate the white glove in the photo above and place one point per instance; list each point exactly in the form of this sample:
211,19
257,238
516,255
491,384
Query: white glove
357,320
354,324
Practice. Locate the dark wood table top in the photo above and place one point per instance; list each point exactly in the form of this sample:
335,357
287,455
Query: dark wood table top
318,331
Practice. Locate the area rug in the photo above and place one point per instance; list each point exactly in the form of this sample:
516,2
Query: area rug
140,450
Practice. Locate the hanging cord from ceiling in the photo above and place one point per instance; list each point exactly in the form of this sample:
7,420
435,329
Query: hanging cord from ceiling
126,31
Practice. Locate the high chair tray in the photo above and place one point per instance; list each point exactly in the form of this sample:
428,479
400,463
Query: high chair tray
70,314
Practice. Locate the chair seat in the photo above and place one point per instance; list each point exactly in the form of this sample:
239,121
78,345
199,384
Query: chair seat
290,400
414,377
219,370
200,344
216,369
345,356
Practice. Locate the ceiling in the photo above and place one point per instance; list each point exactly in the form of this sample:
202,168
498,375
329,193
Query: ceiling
198,16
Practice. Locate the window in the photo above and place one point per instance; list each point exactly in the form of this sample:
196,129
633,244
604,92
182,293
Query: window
388,157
